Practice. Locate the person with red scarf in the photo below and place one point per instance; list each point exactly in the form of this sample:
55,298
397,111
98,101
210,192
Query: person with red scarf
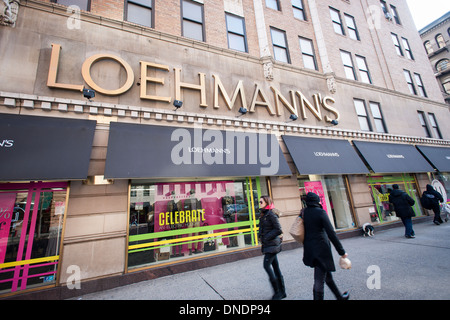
270,235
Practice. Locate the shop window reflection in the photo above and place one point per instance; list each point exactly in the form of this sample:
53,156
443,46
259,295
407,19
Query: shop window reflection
175,220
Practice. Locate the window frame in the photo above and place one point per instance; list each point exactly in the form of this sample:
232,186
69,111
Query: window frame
347,67
361,116
434,127
363,71
337,23
420,85
313,55
296,8
395,15
380,119
286,48
407,48
244,36
398,47
277,2
137,3
183,19
410,83
423,123
353,30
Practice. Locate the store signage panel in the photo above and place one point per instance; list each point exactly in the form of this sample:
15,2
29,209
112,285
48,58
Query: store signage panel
324,156
392,158
44,148
146,151
439,157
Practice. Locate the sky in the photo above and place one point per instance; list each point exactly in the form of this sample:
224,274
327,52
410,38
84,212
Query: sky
426,11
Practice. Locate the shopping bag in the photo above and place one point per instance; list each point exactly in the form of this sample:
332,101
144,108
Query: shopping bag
297,230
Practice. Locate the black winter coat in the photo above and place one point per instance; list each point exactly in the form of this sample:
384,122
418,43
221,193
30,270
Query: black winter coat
269,231
402,203
318,233
437,197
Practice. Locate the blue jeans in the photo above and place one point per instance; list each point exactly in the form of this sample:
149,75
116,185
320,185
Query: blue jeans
271,261
408,227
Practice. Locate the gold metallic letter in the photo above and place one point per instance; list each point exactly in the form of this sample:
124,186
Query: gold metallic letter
145,78
53,72
86,72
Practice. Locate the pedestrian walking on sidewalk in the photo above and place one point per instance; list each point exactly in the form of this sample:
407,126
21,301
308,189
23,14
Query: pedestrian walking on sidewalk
434,198
403,203
270,234
316,247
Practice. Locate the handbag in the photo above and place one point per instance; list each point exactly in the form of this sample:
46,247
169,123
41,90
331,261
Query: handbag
297,230
345,263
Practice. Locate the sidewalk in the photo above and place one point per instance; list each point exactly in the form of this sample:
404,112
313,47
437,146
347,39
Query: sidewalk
408,268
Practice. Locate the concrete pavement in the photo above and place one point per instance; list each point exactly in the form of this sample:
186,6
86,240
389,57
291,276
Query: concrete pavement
385,267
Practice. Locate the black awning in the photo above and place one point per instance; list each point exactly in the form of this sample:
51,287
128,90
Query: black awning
392,158
324,156
147,151
439,157
44,148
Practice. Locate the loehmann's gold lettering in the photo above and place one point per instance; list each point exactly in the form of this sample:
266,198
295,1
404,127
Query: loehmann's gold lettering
259,99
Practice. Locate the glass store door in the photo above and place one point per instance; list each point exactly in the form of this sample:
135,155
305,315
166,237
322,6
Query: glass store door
31,222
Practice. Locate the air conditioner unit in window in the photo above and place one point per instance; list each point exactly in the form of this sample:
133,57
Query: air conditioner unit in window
388,16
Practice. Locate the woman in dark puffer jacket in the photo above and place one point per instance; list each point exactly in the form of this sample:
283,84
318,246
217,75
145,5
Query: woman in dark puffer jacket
270,237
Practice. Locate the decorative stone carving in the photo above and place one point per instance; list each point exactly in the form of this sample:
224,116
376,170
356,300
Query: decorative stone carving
9,10
331,83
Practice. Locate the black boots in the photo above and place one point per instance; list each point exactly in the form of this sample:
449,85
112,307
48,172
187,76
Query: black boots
278,289
336,292
319,295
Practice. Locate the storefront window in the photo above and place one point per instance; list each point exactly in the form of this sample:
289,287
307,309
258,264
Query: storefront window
381,187
31,221
174,220
334,197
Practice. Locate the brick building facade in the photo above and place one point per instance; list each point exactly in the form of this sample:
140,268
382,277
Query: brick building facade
324,84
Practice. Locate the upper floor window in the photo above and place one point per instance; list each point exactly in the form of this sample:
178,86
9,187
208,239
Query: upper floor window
82,4
236,33
364,74
434,126
420,85
398,48
442,65
348,65
380,126
280,48
337,22
395,14
440,41
273,4
193,26
140,12
410,82
299,11
309,59
351,26
424,124
363,118
428,47
407,48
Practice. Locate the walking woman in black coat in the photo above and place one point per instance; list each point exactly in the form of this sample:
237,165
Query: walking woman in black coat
270,238
316,247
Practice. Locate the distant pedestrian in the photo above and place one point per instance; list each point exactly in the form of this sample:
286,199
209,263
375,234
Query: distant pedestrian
403,203
270,236
316,247
434,198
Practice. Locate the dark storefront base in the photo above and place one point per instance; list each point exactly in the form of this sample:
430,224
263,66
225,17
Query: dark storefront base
61,293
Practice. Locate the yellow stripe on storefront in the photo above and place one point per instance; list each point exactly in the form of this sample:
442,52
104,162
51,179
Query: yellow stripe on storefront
25,262
184,239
